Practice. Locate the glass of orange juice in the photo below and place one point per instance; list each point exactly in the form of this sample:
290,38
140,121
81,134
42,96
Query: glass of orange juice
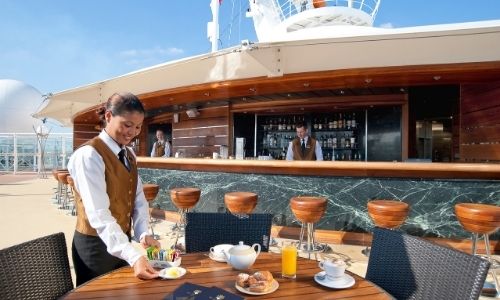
288,260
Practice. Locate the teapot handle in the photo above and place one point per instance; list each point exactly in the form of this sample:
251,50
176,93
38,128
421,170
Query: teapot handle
257,250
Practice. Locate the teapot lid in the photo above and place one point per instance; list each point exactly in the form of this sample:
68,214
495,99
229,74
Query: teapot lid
241,249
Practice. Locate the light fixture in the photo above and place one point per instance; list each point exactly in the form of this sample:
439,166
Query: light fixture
306,84
207,94
342,92
368,80
437,77
252,90
192,112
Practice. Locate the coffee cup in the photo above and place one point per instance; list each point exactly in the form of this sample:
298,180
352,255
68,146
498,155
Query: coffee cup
217,251
334,269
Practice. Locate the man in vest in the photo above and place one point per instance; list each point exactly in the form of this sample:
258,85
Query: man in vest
303,147
161,148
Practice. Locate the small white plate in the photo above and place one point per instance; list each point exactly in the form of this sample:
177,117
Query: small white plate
213,257
172,273
274,287
343,282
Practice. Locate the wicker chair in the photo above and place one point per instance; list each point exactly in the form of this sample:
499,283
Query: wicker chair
409,267
37,269
205,230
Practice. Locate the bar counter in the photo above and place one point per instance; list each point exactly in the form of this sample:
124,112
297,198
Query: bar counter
431,189
328,168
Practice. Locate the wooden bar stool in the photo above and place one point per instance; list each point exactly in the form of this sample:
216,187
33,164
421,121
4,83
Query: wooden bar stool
308,210
150,193
58,193
240,203
388,214
184,199
479,219
71,184
62,177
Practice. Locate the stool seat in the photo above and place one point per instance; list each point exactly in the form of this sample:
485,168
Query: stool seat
185,198
150,191
478,218
308,209
70,181
388,213
56,171
240,202
63,177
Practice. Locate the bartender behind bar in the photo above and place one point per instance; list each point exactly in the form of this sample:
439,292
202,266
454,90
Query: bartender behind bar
303,147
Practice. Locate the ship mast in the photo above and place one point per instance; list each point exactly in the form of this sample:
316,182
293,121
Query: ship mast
213,26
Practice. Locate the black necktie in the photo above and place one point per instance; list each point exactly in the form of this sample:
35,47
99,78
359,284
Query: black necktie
303,147
121,157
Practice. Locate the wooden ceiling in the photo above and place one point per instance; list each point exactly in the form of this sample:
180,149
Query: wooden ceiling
314,89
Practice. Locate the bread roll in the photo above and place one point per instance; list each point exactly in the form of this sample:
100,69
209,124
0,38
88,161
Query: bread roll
263,276
260,287
243,280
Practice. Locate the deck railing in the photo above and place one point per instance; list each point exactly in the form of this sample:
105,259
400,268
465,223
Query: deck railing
289,8
20,152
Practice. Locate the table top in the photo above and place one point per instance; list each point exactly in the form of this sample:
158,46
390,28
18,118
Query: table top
122,284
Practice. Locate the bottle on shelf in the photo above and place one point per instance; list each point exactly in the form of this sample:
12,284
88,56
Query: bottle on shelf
353,120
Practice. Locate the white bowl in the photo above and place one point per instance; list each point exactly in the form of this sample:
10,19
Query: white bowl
161,264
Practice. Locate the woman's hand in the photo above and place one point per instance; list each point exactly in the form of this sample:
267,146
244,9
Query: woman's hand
148,240
143,270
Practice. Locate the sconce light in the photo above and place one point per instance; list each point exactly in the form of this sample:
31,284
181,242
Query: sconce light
437,77
192,112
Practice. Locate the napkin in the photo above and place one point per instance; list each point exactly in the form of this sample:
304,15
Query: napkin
190,291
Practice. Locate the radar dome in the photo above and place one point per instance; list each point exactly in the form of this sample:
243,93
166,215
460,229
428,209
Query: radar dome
18,101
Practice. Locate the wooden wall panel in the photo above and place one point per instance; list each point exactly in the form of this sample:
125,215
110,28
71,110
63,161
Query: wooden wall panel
479,122
202,135
483,152
84,132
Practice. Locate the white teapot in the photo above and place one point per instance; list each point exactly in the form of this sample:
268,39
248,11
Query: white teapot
242,257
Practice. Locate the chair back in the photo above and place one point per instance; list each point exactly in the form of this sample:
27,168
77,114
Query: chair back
205,230
410,267
37,269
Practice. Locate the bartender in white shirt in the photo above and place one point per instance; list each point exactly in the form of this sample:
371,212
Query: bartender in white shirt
161,148
303,147
109,198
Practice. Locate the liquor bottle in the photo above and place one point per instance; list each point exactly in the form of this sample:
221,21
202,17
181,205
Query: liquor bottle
340,124
315,124
353,120
347,141
329,142
335,122
289,124
348,125
320,125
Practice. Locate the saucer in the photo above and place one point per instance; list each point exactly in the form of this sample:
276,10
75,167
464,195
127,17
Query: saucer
172,273
343,282
219,259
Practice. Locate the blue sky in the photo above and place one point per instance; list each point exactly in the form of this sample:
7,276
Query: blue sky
59,44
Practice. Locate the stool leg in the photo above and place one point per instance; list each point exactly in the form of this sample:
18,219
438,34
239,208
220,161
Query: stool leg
301,238
475,237
488,254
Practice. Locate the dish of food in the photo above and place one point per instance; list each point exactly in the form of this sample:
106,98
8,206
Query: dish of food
172,273
260,283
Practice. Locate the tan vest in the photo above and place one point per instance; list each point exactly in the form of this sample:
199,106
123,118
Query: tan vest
121,187
160,149
309,154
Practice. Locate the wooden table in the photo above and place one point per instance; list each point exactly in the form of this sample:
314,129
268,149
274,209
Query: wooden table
122,284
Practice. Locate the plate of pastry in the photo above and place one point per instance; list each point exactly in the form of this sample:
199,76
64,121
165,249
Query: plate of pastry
259,283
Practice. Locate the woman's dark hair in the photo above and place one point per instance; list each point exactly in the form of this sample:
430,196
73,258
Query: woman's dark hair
120,103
